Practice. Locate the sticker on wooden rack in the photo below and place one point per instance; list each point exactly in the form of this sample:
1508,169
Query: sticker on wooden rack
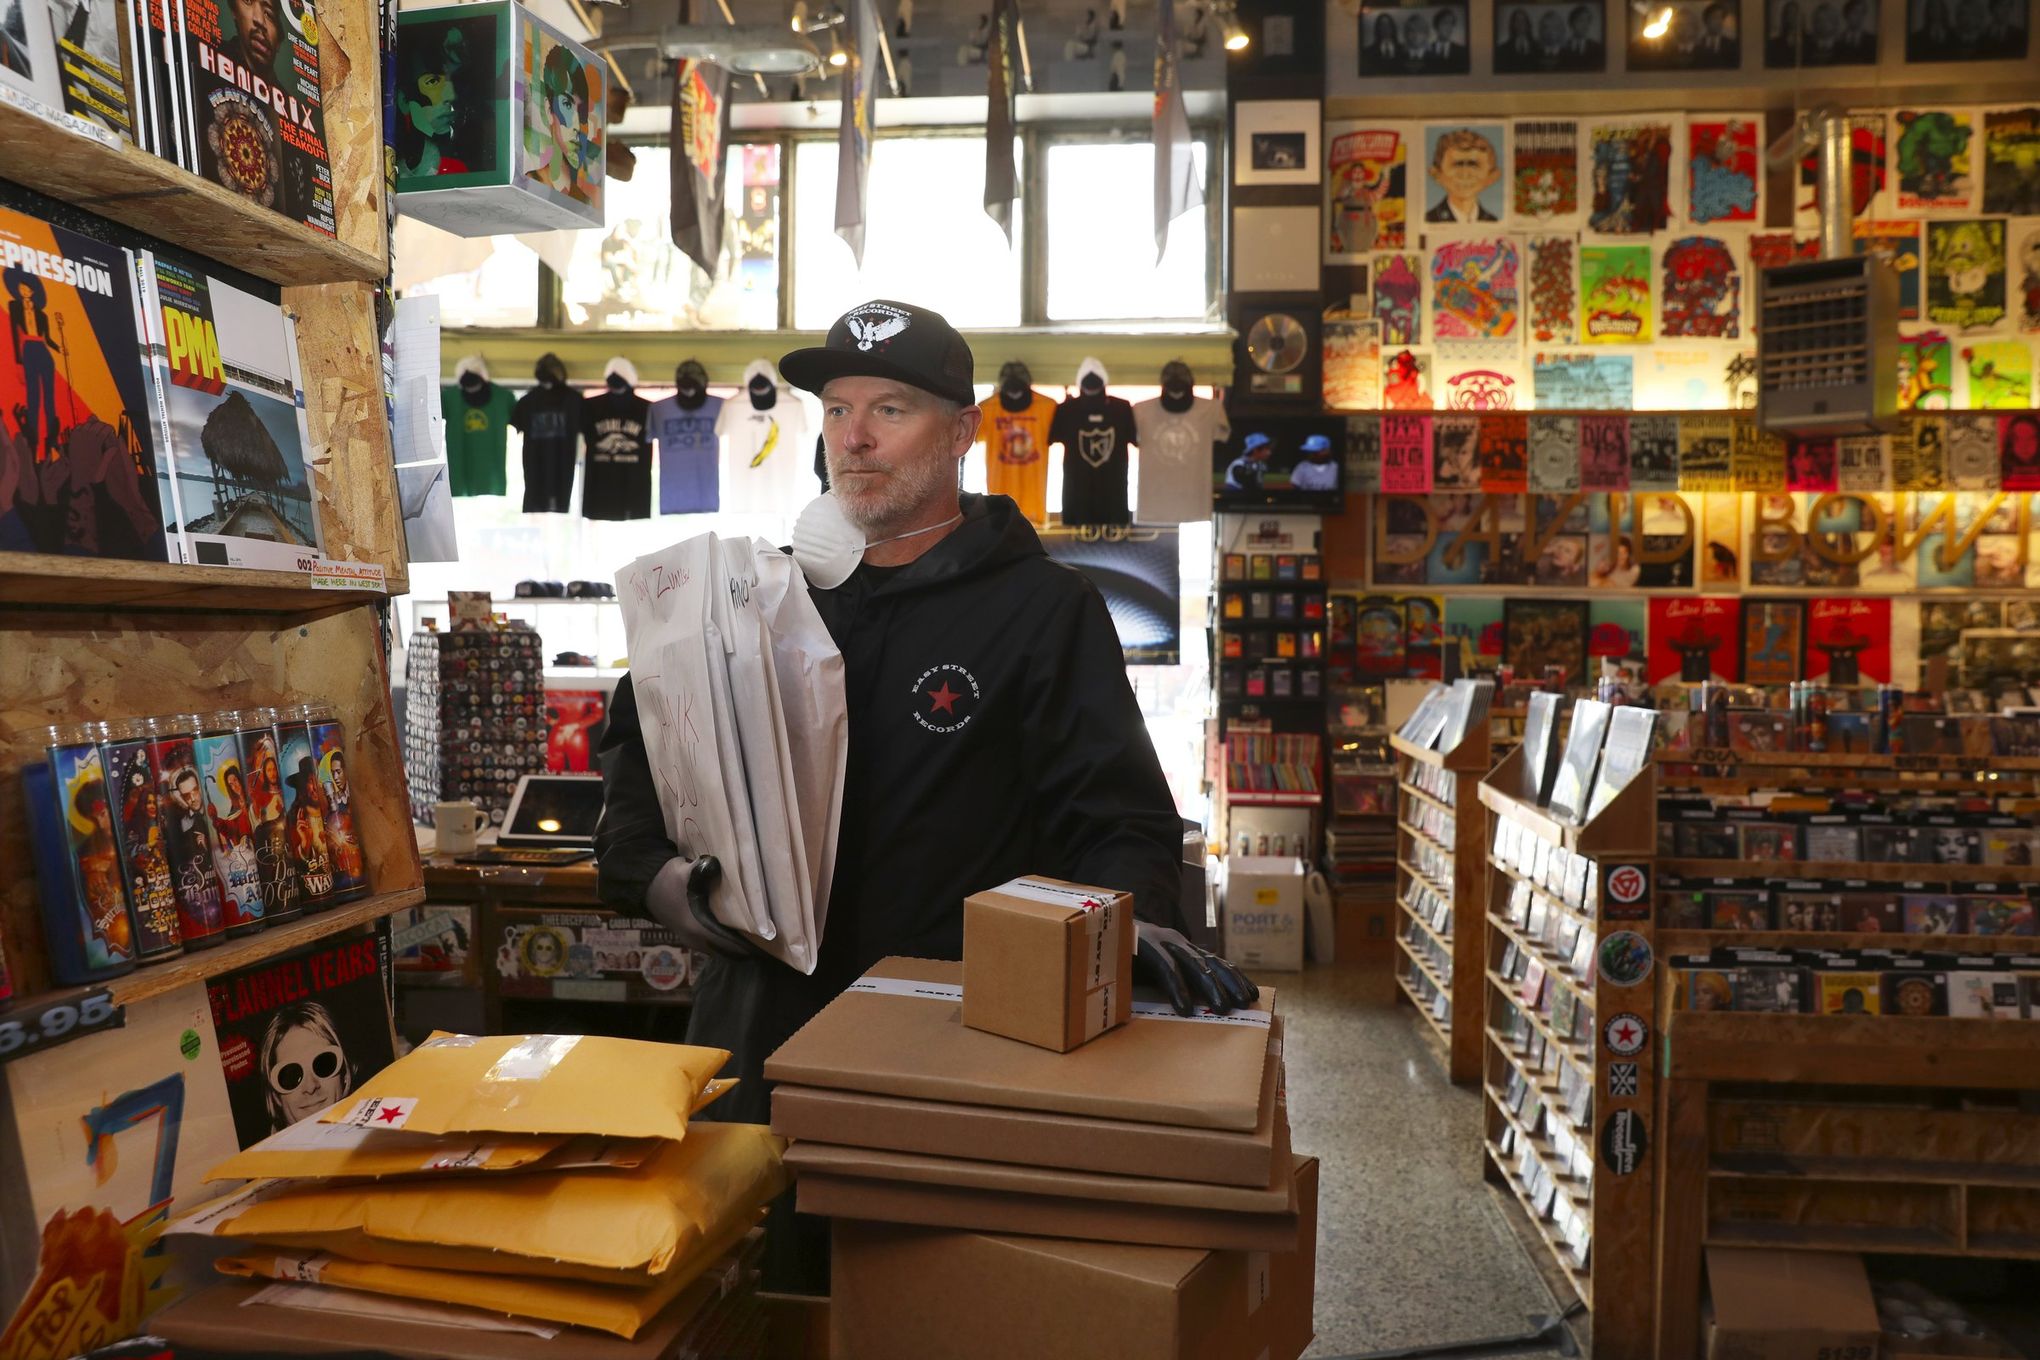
1625,892
1625,1034
1622,1079
1625,958
1623,1142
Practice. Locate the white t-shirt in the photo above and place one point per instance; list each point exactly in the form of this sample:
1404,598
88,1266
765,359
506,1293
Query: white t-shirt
1175,459
767,458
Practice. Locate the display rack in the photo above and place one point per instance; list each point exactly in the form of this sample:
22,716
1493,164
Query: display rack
1567,1084
1795,1130
1438,875
84,639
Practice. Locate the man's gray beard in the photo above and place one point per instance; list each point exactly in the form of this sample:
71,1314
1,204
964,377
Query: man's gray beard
896,509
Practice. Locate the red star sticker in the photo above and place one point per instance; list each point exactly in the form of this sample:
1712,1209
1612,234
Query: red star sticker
1625,1033
945,699
390,1114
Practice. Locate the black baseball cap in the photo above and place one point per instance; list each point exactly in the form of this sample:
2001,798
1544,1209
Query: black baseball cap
894,340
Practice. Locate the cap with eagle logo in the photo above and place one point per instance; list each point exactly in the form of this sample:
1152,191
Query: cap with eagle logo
895,340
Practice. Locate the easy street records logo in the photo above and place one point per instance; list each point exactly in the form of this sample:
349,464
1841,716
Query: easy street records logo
1626,892
1623,1142
945,698
1622,1079
1625,1034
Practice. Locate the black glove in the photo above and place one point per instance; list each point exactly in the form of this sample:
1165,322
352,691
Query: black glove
678,900
1190,976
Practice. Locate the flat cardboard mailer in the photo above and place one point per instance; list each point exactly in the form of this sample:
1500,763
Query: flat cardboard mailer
222,1319
899,1031
1037,1138
1774,1304
943,1295
898,1187
1047,962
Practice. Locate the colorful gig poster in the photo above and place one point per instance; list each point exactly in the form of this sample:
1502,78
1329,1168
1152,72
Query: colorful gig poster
1405,380
1368,171
1604,453
1554,293
2028,266
1632,177
1934,160
2011,162
2000,375
1848,641
1692,639
1399,298
1615,302
1546,155
1965,274
1898,245
1583,382
1700,296
1724,175
1473,289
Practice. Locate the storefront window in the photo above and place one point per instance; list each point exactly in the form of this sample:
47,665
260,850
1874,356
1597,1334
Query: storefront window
926,241
1101,238
630,276
492,281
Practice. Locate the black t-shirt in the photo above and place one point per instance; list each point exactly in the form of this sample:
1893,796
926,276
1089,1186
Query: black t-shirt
619,481
550,420
1094,433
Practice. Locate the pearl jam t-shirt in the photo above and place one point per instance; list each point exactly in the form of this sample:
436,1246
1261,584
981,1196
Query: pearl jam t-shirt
619,479
687,455
1094,433
550,419
1016,452
1175,459
766,461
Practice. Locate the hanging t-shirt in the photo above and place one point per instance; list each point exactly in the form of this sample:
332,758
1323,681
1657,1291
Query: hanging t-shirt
765,456
619,480
1175,459
1016,452
550,419
475,439
1094,433
687,454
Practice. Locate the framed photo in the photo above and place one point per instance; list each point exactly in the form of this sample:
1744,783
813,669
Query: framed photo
1774,641
1275,141
1820,33
1936,30
1538,635
1701,35
1533,36
1414,38
1275,249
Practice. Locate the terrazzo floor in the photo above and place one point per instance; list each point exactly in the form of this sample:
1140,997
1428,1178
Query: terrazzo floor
1412,1251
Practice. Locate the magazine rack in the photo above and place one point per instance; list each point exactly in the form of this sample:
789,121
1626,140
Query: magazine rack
1567,1066
1439,933
87,639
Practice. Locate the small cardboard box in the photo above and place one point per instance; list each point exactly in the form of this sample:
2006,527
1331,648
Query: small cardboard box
900,1291
1788,1305
1264,912
1047,962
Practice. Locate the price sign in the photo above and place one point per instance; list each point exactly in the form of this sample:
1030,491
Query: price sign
55,1020
1712,755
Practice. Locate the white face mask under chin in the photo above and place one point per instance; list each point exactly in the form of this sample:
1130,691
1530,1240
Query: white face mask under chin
827,546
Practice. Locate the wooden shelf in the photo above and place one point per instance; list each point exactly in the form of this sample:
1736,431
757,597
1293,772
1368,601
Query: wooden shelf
158,978
1852,1050
1440,1031
1579,1277
1904,1241
1842,869
1426,880
1423,966
1422,797
1250,799
1775,1166
1425,837
150,194
1704,941
1546,1149
1830,760
1442,941
1557,904
106,583
1553,967
1461,883
1579,1050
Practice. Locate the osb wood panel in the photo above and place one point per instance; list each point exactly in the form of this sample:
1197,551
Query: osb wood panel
62,668
351,463
350,80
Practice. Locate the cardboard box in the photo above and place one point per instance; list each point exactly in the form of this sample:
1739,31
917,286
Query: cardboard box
900,1291
1039,1205
1035,1138
899,1031
1274,1196
1264,912
1047,962
1788,1305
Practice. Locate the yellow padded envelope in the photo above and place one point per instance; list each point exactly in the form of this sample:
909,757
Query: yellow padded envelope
311,1149
608,1308
611,1226
535,1083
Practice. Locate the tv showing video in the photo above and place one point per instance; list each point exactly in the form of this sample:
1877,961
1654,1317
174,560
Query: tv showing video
1281,462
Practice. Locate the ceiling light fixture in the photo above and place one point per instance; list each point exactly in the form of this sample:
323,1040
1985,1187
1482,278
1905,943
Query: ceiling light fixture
1659,25
1228,16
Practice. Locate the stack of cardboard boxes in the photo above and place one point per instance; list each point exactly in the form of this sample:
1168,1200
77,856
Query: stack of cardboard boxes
1023,1162
554,1178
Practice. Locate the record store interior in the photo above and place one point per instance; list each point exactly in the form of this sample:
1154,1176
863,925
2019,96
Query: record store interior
1121,679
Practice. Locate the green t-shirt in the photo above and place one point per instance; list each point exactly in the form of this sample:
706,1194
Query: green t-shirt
475,440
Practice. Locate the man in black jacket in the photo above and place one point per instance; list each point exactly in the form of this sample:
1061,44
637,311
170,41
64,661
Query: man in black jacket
992,729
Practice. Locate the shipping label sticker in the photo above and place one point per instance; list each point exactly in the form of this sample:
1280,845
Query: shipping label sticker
1257,1281
380,1112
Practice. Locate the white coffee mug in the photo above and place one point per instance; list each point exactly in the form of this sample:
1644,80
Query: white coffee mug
456,825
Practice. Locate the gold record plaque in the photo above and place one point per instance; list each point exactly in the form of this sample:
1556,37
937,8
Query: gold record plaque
1277,345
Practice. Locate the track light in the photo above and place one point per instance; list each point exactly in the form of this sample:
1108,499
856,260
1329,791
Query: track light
1659,25
838,58
1228,16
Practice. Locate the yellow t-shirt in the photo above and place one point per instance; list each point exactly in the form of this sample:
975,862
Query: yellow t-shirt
1016,453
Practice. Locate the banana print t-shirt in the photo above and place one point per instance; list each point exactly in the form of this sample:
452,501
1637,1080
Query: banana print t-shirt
766,456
